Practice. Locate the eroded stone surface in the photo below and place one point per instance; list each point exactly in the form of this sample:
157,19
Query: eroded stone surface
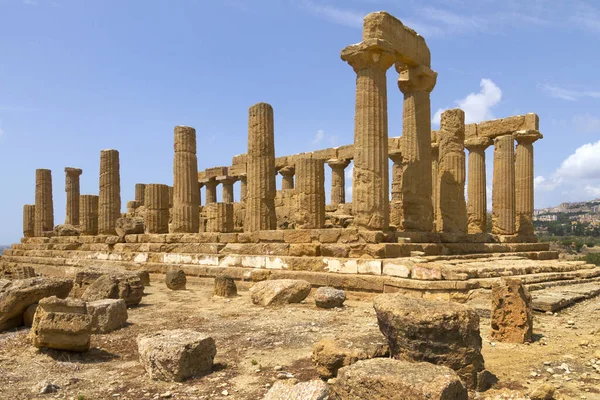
328,297
279,291
290,390
107,315
329,355
511,316
225,286
175,279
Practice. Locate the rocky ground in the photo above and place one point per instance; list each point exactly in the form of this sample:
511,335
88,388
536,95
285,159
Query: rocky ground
257,346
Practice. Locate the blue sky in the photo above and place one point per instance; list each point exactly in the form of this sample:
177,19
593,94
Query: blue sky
80,76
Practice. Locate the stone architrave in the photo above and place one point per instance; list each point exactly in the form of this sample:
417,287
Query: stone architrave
260,170
524,181
370,192
451,208
396,200
88,214
44,207
72,188
109,203
211,191
338,180
287,173
227,188
219,217
503,186
28,220
435,155
310,193
416,83
157,208
476,184
186,195
140,192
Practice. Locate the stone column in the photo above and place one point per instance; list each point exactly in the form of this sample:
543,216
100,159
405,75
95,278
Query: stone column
186,194
28,220
524,181
140,190
310,193
72,189
503,186
227,188
370,191
396,202
157,208
338,180
88,214
44,207
435,155
416,83
211,191
288,177
476,184
109,206
171,196
260,196
243,187
219,217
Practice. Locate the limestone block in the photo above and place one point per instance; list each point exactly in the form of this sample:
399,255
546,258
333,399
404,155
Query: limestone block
107,315
176,355
512,315
328,297
506,126
225,286
290,390
66,230
128,287
29,314
329,355
129,226
175,279
279,292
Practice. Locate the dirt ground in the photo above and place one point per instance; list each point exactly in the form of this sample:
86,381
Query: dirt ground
252,341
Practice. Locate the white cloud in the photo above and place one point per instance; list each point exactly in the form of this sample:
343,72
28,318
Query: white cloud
586,17
586,123
350,18
583,164
546,185
592,190
320,135
477,106
568,93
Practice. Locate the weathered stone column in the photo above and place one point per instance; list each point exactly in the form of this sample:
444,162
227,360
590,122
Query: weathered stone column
227,188
261,190
140,193
243,187
110,192
396,201
338,180
211,191
157,208
524,181
476,184
88,214
452,208
28,220
310,193
219,217
186,195
370,191
44,206
503,186
435,155
72,188
287,173
171,196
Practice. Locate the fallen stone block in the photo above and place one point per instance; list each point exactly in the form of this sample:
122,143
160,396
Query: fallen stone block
291,390
225,286
29,314
329,355
176,355
129,226
66,230
279,291
328,297
115,286
175,279
107,315
511,315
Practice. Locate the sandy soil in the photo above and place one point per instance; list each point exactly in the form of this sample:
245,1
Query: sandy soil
252,341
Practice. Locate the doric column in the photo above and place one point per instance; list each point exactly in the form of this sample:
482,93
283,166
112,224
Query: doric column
157,208
396,201
109,206
452,208
171,196
416,83
310,193
243,187
524,181
227,188
260,196
370,191
44,207
140,193
211,190
72,189
435,155
338,180
186,195
28,220
219,217
503,186
88,214
287,173
476,184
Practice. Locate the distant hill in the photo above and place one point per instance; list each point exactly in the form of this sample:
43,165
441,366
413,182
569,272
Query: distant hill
578,219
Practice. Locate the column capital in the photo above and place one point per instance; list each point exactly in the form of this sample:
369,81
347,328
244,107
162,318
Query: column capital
527,136
288,170
73,171
395,156
226,179
476,143
370,53
415,79
338,163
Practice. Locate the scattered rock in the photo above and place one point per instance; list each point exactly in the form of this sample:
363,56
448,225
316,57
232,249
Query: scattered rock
225,286
290,390
107,315
328,297
329,355
29,314
66,230
512,314
144,277
279,291
48,387
175,279
485,380
176,355
129,226
385,378
543,392
115,286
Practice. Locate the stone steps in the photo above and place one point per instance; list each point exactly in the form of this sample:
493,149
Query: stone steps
541,281
557,298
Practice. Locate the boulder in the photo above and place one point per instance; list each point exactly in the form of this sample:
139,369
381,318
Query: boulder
17,295
129,226
115,286
329,355
290,390
107,315
328,297
175,279
439,332
511,315
144,277
176,355
279,291
225,286
29,314
61,324
83,279
385,378
66,230
545,391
